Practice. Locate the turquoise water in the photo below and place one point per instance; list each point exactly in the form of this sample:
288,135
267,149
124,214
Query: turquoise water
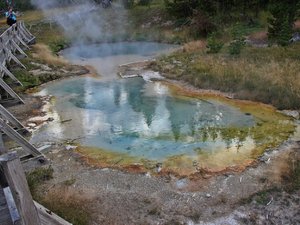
141,118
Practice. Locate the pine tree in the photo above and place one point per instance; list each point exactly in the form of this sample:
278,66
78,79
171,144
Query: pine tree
281,23
285,32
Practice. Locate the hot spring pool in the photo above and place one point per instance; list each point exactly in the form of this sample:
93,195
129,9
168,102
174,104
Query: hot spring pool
130,121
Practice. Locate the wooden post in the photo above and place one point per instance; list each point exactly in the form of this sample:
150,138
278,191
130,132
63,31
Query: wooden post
3,150
9,131
10,91
5,114
16,180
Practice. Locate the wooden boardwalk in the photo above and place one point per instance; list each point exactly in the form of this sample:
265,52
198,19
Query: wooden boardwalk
16,204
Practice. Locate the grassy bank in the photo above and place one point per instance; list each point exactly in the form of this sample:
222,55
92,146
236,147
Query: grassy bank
63,200
269,75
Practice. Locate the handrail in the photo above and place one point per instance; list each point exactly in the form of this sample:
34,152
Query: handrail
12,42
12,175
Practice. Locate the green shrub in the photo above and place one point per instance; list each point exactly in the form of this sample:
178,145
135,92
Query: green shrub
128,4
213,45
58,45
181,8
238,42
236,46
144,2
281,22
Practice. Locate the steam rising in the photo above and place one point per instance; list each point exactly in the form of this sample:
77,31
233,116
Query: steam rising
84,21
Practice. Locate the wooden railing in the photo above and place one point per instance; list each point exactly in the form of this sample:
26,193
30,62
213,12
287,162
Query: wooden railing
21,208
11,42
15,177
16,204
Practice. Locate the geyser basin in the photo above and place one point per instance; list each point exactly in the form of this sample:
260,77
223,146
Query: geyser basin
133,121
136,124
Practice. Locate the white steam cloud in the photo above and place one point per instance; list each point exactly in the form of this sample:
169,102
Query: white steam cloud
85,21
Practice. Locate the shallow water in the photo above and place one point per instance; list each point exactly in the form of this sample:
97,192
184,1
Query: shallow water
145,120
139,118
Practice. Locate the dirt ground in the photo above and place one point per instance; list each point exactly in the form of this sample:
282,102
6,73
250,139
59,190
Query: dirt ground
120,197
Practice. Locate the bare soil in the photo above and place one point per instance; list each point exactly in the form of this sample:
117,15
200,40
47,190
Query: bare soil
120,197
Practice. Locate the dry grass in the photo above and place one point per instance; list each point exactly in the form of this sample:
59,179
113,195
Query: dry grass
43,53
194,46
68,203
31,16
261,35
270,75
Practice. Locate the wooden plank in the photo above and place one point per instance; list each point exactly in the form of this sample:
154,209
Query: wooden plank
8,73
49,218
17,47
5,218
32,37
3,150
10,91
14,135
9,117
13,211
12,56
16,179
25,34
22,42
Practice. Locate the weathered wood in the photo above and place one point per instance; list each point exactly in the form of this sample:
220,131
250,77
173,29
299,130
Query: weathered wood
18,48
10,91
5,218
49,218
9,117
11,56
22,42
8,73
9,131
3,150
26,31
16,179
26,36
14,214
11,41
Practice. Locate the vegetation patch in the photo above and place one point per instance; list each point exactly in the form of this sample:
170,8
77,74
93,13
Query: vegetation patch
68,203
42,53
258,74
291,179
38,177
63,200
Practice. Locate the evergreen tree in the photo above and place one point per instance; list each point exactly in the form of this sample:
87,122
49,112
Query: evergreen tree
281,23
285,32
181,8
